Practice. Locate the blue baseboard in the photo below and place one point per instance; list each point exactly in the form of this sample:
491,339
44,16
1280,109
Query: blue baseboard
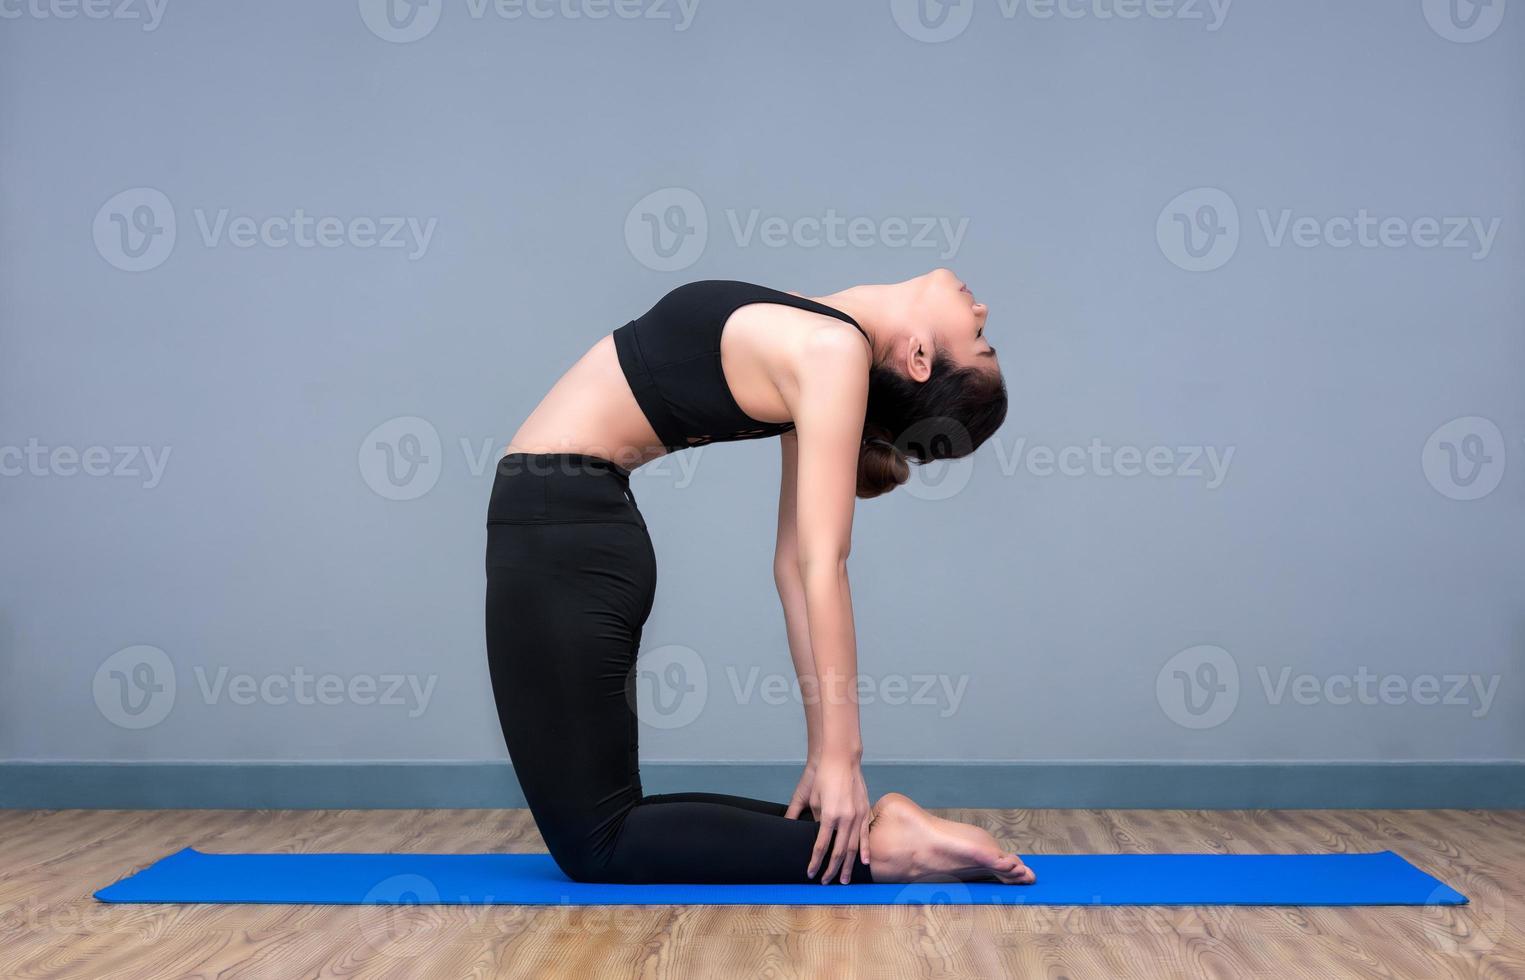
1123,785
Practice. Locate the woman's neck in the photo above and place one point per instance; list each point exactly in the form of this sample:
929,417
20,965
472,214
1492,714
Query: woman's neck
878,308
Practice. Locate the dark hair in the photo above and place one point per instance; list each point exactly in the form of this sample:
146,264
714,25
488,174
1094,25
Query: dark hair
947,416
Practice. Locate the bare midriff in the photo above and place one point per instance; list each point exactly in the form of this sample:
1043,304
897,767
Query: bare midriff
591,410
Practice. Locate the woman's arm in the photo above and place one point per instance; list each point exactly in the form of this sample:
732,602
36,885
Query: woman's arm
791,595
828,408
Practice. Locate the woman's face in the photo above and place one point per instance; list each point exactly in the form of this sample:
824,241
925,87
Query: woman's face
955,318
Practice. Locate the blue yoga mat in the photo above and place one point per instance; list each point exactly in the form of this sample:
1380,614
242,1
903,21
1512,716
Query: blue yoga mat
533,879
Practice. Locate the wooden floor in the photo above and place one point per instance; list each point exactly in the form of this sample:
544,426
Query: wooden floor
50,862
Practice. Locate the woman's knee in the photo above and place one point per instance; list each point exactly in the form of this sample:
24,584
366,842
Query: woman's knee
580,862
586,862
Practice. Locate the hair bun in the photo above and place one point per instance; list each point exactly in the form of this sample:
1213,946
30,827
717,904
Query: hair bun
881,467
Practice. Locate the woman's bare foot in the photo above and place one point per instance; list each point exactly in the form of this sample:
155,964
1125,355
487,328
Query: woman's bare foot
907,843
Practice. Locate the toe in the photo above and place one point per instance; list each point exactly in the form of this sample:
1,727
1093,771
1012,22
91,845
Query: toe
1019,872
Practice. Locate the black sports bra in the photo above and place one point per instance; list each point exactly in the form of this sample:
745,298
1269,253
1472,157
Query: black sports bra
671,357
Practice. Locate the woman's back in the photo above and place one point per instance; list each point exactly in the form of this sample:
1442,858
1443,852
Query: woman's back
705,364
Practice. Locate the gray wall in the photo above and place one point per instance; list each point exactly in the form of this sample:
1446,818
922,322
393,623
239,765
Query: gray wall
1293,574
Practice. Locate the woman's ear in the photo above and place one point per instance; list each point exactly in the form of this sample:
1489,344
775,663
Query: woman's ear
918,359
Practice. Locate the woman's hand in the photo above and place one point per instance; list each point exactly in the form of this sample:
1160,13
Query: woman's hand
839,798
800,801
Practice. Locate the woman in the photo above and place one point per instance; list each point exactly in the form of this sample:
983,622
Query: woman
571,572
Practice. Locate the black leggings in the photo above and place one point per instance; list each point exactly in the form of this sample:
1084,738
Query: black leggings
570,580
